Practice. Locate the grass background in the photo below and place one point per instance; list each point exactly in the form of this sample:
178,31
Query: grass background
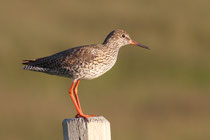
162,94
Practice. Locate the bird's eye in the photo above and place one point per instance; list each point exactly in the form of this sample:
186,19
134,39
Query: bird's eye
123,35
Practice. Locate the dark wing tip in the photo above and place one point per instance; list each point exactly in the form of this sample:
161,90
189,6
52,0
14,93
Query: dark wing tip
26,62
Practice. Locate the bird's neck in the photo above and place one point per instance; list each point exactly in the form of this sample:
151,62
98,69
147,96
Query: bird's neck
112,49
112,45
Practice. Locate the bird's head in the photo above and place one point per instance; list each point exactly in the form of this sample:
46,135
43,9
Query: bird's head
121,38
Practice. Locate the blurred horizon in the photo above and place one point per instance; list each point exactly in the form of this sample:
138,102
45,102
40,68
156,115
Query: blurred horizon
158,94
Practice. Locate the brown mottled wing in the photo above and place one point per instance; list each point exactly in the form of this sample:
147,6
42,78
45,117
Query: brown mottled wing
62,60
52,61
84,54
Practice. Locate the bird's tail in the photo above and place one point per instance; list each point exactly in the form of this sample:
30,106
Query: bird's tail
26,62
33,65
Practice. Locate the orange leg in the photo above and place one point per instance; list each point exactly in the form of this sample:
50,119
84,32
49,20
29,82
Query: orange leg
73,98
76,101
76,95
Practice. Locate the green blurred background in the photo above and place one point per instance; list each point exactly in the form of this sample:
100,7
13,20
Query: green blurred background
162,94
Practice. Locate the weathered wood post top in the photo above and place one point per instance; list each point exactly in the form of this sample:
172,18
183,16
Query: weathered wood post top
96,128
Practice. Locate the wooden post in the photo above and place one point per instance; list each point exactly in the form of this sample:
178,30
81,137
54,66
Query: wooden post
96,128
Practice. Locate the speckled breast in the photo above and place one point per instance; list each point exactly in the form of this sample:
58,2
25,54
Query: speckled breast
94,68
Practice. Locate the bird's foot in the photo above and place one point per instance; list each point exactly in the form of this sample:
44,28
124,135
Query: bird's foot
84,116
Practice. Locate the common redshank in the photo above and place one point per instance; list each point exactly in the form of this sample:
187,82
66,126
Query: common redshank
83,62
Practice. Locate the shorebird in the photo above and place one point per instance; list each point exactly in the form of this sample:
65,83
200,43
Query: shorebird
83,62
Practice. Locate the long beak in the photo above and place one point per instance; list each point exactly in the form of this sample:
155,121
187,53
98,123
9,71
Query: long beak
139,44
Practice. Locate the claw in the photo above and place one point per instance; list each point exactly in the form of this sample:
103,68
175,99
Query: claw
84,116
